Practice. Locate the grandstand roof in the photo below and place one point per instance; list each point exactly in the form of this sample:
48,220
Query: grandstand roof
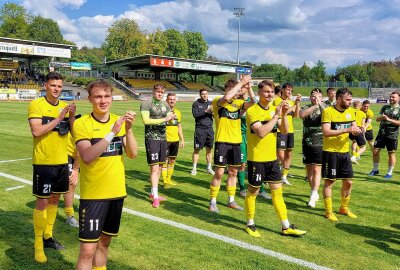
31,49
179,65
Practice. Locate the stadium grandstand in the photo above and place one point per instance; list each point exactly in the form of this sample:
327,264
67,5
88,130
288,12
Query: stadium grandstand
18,80
139,74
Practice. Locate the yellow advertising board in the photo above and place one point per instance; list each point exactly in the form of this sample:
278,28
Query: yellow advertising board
8,91
8,64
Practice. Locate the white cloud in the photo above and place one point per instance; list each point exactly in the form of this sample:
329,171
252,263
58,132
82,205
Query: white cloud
289,32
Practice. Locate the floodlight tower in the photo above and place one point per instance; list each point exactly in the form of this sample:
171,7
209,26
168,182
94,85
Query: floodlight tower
238,12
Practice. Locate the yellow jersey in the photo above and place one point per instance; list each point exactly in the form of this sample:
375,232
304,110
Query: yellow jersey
360,116
338,120
369,115
276,101
227,121
71,146
172,127
103,178
50,148
260,149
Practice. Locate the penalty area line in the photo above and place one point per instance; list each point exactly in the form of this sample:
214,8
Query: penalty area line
229,240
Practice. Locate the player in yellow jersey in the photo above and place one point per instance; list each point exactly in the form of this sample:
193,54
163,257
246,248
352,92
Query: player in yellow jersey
369,136
50,124
338,122
262,120
286,141
101,138
228,137
73,166
360,139
175,141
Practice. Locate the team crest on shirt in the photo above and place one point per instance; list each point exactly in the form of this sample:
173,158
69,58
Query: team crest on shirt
396,111
164,109
348,116
272,113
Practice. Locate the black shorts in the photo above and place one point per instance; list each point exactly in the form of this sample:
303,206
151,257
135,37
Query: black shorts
263,172
285,141
227,154
336,166
369,136
390,144
203,137
360,139
156,151
173,148
49,179
312,154
96,217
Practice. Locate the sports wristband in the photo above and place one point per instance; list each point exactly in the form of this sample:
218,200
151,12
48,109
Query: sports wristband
254,100
109,137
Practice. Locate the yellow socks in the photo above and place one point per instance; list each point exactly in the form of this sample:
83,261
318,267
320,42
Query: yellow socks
285,172
328,205
344,207
104,267
250,205
214,191
170,171
279,203
164,173
39,224
51,218
69,211
328,209
231,190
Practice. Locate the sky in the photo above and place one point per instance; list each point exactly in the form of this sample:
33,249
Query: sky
287,32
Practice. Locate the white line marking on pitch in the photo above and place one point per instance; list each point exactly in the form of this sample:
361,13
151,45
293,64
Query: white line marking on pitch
14,160
277,255
13,188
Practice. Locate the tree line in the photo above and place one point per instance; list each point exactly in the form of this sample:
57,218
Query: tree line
126,39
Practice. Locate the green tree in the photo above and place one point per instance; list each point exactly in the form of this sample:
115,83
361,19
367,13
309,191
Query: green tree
124,39
94,56
157,42
279,73
177,45
197,46
14,21
318,72
47,30
353,73
386,74
302,74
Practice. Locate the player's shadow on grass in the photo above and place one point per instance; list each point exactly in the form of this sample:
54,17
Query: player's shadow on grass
191,205
380,180
383,239
17,234
301,204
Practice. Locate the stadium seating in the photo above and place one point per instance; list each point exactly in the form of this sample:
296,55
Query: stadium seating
148,84
195,86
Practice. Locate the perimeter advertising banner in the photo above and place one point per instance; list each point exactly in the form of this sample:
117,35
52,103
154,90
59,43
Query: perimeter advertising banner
165,62
161,62
80,66
8,47
8,64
